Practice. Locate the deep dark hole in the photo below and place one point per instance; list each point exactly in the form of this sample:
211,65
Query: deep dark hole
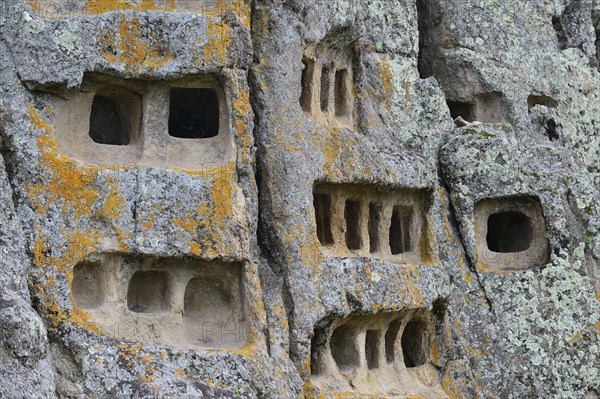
414,344
465,110
194,113
372,340
560,32
352,217
107,125
551,130
322,204
391,335
317,345
341,93
425,63
509,232
306,94
400,239
374,222
325,88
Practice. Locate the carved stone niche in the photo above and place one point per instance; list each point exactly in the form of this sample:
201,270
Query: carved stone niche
385,354
510,233
327,85
178,124
177,302
369,221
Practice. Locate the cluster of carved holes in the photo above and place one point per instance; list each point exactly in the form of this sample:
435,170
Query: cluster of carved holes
193,113
509,232
149,291
337,90
400,239
414,342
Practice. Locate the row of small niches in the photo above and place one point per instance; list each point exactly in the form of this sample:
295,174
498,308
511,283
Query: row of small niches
365,353
362,221
168,301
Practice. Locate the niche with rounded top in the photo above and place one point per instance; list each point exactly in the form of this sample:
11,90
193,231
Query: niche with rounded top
115,116
415,343
149,291
510,233
88,285
343,348
372,344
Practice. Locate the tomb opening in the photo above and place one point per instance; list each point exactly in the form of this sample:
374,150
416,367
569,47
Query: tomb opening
509,232
194,113
149,292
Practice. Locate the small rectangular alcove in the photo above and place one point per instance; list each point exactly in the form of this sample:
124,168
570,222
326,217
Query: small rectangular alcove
115,117
213,312
343,93
193,113
510,233
149,292
400,230
534,100
325,93
307,84
88,285
353,216
486,108
322,205
462,109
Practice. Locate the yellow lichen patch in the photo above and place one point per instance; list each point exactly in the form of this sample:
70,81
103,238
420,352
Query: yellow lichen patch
95,7
205,224
218,41
435,354
125,45
387,80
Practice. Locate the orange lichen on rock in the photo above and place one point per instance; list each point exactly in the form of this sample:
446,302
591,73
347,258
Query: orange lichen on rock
95,7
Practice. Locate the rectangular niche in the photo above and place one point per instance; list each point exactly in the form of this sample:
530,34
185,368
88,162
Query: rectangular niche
181,124
485,108
378,354
371,221
102,123
327,86
510,233
178,302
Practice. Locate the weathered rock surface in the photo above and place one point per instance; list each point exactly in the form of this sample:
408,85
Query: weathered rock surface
339,237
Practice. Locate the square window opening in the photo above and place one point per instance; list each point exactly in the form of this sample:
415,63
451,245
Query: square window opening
194,113
509,232
415,344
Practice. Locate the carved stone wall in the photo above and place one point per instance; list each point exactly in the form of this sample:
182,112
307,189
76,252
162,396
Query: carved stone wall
300,199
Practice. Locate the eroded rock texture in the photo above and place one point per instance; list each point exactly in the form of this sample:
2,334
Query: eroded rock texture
270,199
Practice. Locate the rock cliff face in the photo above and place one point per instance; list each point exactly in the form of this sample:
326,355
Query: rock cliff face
271,199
